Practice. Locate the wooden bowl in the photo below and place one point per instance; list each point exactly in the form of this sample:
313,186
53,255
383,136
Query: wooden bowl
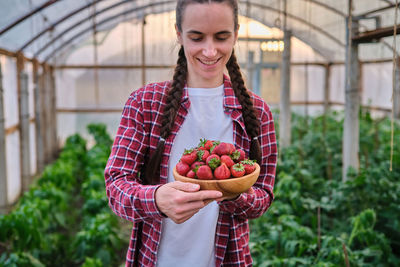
229,187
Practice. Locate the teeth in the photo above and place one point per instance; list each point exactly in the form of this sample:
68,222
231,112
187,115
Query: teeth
209,62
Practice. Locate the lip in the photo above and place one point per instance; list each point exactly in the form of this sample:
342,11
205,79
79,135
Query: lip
209,63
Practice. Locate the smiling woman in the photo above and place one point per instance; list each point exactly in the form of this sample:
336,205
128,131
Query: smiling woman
161,119
208,39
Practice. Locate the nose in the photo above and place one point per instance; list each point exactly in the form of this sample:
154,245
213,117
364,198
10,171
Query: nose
210,50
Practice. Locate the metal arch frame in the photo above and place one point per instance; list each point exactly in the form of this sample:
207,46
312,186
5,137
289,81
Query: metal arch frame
318,29
126,12
40,50
29,14
53,25
49,3
166,2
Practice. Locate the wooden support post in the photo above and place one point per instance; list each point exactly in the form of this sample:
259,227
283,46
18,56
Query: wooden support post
53,123
23,103
3,162
47,113
43,112
38,117
396,93
250,70
327,88
351,135
285,111
143,51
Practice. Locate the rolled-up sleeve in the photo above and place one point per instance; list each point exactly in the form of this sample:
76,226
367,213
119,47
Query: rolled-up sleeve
128,198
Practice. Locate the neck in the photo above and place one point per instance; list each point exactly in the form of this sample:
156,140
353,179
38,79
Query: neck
204,83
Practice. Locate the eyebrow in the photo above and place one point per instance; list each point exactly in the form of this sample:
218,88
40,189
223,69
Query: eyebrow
197,32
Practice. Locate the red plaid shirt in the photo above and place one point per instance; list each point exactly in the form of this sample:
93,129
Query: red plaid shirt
137,137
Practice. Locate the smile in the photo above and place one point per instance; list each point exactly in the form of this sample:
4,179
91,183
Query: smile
209,62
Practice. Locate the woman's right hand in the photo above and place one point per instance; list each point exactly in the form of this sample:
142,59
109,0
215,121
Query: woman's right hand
180,201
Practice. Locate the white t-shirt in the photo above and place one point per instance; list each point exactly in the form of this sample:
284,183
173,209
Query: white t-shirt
192,243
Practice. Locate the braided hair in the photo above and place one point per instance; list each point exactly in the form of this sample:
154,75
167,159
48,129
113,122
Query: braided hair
174,96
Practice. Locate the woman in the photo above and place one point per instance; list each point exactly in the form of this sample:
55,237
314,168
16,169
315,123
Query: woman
175,224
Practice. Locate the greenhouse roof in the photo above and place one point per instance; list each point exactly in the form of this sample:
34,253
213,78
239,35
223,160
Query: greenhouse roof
44,28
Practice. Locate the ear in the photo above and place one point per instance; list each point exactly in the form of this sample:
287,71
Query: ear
178,35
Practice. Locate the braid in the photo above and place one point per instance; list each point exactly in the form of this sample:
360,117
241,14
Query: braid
251,122
169,113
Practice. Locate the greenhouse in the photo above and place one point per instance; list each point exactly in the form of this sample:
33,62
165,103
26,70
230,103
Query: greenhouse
329,70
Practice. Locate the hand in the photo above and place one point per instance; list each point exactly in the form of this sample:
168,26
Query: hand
232,197
180,201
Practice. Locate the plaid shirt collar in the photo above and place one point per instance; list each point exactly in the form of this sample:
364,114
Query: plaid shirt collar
230,101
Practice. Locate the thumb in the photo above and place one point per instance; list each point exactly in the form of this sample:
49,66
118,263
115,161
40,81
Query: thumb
187,187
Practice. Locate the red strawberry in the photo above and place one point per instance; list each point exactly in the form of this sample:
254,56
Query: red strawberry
191,174
215,143
204,172
227,160
222,172
222,149
232,148
237,170
205,144
196,164
202,155
238,155
249,165
213,161
189,156
182,168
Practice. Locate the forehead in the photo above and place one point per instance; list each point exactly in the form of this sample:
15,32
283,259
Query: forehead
208,17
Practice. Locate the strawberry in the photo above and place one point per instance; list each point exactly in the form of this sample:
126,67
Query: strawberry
213,161
189,156
205,144
237,170
238,155
222,149
182,168
215,143
191,174
196,164
232,148
249,165
227,160
202,155
222,172
204,172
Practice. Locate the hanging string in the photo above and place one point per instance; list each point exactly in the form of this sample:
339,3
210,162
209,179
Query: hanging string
395,59
249,78
306,96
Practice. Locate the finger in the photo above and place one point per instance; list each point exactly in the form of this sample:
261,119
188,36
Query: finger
203,195
187,187
184,218
230,197
250,191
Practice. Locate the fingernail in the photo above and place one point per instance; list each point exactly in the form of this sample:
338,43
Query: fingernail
195,186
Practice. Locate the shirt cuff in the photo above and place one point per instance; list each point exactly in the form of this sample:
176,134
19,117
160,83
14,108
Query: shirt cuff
148,201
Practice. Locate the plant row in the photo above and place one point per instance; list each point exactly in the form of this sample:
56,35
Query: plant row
317,219
64,219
